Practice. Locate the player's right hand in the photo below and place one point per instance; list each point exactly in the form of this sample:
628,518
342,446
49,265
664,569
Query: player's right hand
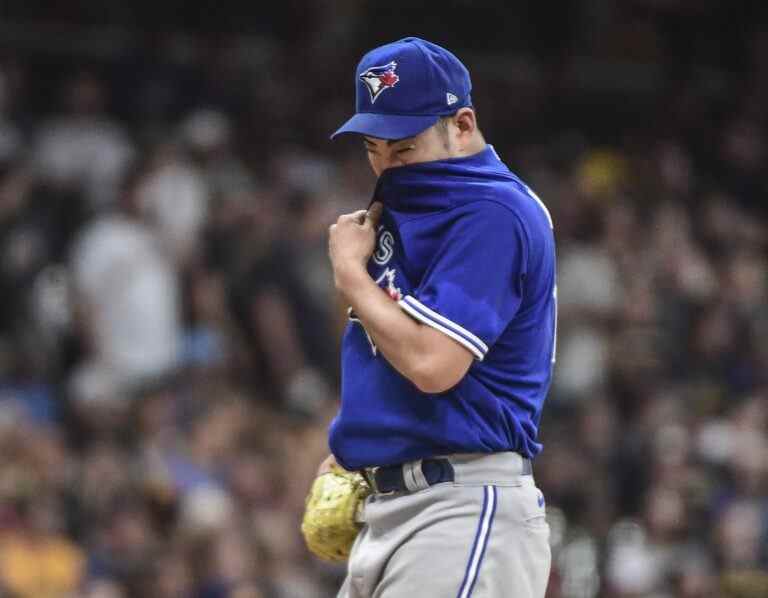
351,241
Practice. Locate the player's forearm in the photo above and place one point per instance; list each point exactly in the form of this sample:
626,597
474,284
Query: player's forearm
397,336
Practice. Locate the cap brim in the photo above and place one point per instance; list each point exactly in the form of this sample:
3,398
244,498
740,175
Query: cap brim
386,126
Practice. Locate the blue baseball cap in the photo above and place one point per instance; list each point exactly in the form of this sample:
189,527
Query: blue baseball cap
404,87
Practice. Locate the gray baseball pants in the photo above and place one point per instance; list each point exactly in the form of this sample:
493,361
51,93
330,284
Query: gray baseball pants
483,535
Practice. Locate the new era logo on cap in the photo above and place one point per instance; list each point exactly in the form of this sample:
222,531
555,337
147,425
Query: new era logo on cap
451,98
379,78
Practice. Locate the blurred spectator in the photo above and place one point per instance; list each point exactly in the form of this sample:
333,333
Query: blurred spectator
84,149
173,200
36,559
128,299
208,135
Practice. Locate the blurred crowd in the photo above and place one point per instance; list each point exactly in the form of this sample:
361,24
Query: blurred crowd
169,329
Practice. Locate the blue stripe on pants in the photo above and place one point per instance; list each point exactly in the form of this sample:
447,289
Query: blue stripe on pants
482,535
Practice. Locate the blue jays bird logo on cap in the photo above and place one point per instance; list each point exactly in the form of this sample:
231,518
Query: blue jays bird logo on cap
379,78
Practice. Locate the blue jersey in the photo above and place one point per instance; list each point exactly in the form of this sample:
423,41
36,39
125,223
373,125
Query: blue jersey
466,247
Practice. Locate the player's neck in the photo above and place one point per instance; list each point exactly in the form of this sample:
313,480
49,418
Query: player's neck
474,145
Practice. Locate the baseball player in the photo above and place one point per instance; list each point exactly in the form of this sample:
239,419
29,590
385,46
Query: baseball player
448,354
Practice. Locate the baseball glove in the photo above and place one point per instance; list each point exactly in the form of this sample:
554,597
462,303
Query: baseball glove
330,523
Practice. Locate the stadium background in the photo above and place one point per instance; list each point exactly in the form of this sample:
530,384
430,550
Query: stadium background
169,332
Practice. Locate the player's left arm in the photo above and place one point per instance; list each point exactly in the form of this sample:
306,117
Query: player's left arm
431,360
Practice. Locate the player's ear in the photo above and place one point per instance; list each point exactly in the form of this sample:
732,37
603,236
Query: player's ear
465,121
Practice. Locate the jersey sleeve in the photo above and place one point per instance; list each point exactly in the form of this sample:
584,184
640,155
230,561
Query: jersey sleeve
472,287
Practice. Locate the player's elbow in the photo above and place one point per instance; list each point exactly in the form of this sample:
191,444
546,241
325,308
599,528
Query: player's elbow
433,375
435,362
434,385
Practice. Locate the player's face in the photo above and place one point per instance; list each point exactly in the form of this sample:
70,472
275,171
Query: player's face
429,145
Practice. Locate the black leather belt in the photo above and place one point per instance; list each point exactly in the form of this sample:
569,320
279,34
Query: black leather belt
391,478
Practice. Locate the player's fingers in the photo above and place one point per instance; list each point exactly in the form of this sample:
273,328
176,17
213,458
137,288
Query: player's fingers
373,215
358,217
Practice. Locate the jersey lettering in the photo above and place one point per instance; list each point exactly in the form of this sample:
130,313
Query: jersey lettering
385,248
